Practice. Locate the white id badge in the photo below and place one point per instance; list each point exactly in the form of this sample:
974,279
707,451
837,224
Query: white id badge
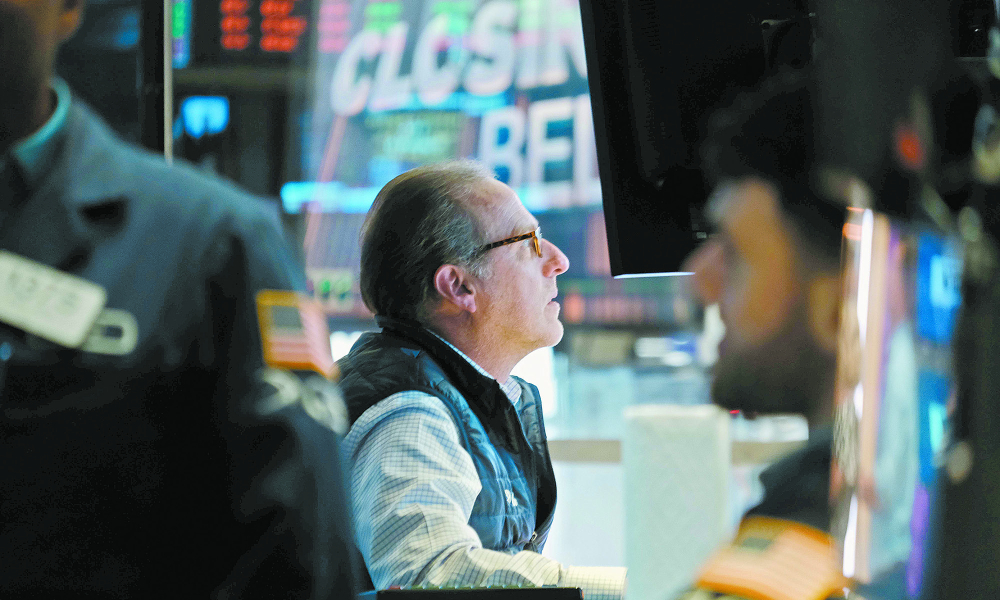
46,302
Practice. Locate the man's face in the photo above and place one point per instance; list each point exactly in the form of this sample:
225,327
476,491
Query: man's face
517,295
769,361
30,34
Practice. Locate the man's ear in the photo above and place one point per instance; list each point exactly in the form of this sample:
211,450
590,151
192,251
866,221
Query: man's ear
824,297
70,18
456,288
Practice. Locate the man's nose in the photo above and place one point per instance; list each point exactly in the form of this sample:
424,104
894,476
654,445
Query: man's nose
555,261
706,264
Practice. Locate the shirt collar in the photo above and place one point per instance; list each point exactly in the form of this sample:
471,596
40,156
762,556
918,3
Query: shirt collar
511,388
34,153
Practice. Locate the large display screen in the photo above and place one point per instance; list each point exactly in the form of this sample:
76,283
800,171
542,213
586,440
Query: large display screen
895,397
399,84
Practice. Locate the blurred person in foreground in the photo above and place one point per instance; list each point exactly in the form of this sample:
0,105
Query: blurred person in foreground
773,267
450,470
136,462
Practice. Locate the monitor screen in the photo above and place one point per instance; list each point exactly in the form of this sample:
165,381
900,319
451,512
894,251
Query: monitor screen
895,397
400,84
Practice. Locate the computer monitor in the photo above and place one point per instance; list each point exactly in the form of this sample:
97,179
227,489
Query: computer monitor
895,400
657,72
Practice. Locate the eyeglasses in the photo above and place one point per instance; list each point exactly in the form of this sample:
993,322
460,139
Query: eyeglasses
535,237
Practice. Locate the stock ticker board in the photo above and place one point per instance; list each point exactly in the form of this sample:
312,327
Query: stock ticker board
233,32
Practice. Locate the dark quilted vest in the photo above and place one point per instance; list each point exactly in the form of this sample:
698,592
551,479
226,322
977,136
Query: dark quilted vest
507,445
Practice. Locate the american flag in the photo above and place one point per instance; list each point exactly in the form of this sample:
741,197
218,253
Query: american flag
778,560
294,332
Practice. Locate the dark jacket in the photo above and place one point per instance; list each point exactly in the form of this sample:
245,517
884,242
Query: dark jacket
797,487
507,445
150,475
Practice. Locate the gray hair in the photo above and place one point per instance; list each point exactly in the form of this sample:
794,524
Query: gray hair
419,221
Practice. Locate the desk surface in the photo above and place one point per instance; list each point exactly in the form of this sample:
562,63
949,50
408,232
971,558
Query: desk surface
491,593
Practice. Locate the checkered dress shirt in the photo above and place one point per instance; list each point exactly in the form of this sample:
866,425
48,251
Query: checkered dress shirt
414,486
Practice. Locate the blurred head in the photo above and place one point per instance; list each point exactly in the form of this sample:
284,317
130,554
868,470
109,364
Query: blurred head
423,258
30,33
773,265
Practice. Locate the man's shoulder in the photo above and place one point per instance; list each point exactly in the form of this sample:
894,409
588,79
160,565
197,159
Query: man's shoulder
797,487
408,404
375,352
174,207
380,366
97,163
397,417
381,354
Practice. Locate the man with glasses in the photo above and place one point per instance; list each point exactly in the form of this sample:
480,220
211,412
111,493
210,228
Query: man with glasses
450,469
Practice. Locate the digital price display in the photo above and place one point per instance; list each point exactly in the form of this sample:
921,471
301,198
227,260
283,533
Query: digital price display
270,25
240,31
